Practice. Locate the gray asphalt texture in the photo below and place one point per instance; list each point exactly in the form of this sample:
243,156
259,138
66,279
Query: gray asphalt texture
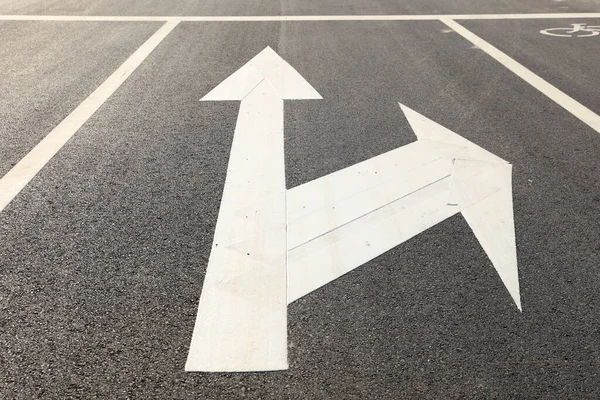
102,255
48,68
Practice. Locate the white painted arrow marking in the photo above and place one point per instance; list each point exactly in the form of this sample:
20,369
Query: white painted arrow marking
327,227
242,318
340,221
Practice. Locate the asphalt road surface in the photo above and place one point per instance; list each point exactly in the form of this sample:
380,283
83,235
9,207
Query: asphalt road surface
103,253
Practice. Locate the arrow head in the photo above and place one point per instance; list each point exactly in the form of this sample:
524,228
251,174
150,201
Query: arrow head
429,130
266,65
481,187
484,196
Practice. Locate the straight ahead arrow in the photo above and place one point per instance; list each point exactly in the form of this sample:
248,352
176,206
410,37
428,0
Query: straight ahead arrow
242,315
340,221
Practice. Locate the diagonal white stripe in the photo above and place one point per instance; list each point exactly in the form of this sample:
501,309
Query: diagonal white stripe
23,172
559,97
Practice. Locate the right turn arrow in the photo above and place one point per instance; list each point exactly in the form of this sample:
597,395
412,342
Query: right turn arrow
340,221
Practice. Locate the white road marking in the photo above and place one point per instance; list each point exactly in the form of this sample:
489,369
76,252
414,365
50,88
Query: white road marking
327,257
336,223
23,172
266,18
241,323
350,199
273,246
343,220
89,18
485,201
576,30
568,103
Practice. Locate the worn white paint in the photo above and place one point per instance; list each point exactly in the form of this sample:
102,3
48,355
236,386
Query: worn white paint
339,222
23,172
241,323
568,103
283,18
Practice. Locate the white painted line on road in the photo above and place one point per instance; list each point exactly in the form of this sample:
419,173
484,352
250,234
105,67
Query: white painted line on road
283,18
384,17
341,221
241,323
89,18
568,103
23,172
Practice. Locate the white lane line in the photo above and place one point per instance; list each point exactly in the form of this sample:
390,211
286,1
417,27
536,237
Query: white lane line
266,18
90,18
568,103
23,172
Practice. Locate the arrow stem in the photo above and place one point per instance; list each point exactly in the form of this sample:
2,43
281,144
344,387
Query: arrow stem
242,320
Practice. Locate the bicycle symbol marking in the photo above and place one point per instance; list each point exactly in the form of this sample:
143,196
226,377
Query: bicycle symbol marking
577,30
